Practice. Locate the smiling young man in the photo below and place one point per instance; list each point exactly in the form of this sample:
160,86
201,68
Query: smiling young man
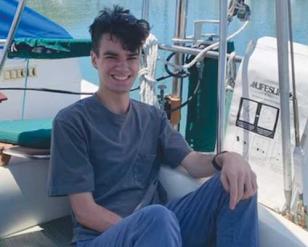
107,151
117,68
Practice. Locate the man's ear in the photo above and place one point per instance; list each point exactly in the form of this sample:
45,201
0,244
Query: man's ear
93,59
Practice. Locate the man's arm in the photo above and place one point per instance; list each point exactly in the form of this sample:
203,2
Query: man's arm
90,214
236,174
198,164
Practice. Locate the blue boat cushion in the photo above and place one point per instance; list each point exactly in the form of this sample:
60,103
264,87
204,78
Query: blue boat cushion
34,133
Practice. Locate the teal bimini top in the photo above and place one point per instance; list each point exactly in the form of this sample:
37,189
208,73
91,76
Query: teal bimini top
32,24
34,133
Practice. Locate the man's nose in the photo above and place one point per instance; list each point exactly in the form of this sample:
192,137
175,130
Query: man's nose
123,64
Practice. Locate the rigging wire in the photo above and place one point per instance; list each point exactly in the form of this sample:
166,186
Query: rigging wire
25,92
157,80
66,91
295,102
46,90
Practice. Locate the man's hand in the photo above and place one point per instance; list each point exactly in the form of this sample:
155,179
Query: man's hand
90,214
236,174
237,177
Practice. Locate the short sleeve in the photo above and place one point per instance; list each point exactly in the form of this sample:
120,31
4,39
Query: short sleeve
173,146
70,170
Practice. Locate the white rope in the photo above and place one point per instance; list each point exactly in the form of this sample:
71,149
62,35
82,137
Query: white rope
233,5
231,72
147,73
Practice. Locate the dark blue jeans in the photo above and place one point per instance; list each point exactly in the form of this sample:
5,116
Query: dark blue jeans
201,218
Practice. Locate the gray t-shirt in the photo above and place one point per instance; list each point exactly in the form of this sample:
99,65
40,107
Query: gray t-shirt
113,156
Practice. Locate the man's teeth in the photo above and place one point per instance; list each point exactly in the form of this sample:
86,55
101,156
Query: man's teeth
120,78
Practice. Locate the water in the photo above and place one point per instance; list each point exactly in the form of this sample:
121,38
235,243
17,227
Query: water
76,16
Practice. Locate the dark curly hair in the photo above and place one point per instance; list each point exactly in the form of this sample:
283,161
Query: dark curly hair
120,23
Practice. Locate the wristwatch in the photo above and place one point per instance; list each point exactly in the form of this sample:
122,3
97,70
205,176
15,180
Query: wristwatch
214,162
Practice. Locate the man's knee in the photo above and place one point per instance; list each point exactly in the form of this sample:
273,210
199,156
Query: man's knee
158,212
159,223
217,186
214,185
160,216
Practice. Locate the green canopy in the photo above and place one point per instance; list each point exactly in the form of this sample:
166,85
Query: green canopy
49,48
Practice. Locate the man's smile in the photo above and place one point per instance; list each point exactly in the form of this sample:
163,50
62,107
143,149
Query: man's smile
121,77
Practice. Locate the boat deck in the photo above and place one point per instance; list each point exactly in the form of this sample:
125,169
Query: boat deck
56,233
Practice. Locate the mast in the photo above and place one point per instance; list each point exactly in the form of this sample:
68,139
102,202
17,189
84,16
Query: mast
223,9
180,33
145,9
283,73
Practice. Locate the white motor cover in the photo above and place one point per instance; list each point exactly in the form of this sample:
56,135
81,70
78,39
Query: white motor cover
254,128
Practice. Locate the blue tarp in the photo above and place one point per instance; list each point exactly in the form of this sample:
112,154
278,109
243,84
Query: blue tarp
32,25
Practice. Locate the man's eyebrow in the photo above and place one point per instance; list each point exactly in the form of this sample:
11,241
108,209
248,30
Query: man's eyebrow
110,53
132,54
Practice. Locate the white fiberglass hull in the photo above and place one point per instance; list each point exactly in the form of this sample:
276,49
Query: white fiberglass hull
24,203
23,196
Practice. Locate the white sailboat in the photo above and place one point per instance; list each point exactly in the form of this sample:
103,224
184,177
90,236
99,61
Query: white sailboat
24,206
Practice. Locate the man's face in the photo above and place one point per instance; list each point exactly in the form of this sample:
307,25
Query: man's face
116,66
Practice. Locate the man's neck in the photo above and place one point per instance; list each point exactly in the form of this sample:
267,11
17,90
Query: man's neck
116,103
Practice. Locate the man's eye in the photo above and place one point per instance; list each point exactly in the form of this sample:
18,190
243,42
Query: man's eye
133,58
